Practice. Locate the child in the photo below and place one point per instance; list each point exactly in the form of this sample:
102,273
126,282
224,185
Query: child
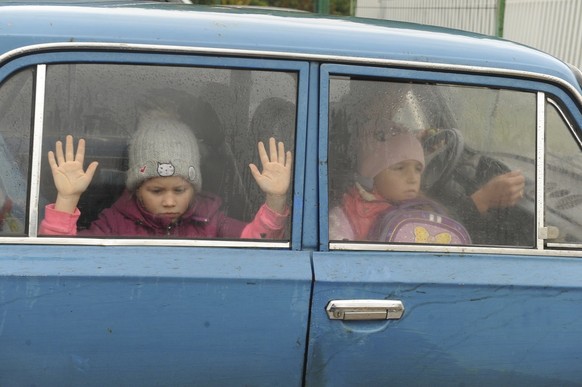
390,162
163,195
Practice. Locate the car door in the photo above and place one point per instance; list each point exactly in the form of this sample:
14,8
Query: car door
499,311
111,310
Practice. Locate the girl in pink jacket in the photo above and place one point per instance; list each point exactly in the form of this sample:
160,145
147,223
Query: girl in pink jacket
163,195
390,162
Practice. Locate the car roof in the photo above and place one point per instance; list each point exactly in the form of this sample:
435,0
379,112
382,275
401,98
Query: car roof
304,35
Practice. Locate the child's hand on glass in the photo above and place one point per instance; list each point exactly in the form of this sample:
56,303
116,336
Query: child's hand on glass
275,178
71,180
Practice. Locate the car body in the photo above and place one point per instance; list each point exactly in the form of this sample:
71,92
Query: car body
304,310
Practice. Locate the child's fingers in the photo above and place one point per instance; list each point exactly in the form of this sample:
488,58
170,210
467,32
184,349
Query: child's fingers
263,153
255,171
51,160
273,149
60,158
69,153
80,156
281,153
289,160
90,172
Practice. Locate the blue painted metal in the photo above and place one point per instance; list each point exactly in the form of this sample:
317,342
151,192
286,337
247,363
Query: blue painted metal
151,316
98,316
469,320
89,315
279,32
312,189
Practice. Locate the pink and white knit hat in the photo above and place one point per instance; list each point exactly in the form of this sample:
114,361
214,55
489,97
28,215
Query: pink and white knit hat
381,146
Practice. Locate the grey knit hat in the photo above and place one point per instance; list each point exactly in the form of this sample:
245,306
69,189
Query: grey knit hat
163,146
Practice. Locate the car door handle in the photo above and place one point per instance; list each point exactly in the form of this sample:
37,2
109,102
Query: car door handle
364,309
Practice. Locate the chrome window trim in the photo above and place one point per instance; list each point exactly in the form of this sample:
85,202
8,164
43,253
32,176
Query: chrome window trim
37,132
540,168
83,241
571,128
457,250
577,73
51,47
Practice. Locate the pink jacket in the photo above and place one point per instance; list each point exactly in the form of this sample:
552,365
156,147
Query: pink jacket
353,218
126,217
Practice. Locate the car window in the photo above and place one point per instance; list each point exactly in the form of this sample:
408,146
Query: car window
563,172
228,110
15,128
478,162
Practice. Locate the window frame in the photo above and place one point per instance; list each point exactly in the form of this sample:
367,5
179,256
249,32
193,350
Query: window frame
39,62
542,90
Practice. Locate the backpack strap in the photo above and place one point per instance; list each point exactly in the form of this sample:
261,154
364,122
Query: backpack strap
422,203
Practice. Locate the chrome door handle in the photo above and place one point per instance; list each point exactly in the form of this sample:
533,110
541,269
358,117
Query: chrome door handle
364,309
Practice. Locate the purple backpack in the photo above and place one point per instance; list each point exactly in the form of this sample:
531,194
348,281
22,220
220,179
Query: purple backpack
418,221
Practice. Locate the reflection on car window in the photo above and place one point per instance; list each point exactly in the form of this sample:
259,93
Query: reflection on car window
563,171
15,129
151,129
454,164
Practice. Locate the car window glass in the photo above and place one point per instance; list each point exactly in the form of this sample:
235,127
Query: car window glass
228,110
478,156
15,129
563,171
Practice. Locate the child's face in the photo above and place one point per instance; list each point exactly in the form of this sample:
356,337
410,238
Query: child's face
399,181
166,196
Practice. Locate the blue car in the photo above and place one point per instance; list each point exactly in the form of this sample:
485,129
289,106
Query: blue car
469,275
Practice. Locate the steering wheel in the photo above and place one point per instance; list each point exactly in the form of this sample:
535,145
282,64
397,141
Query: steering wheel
442,152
